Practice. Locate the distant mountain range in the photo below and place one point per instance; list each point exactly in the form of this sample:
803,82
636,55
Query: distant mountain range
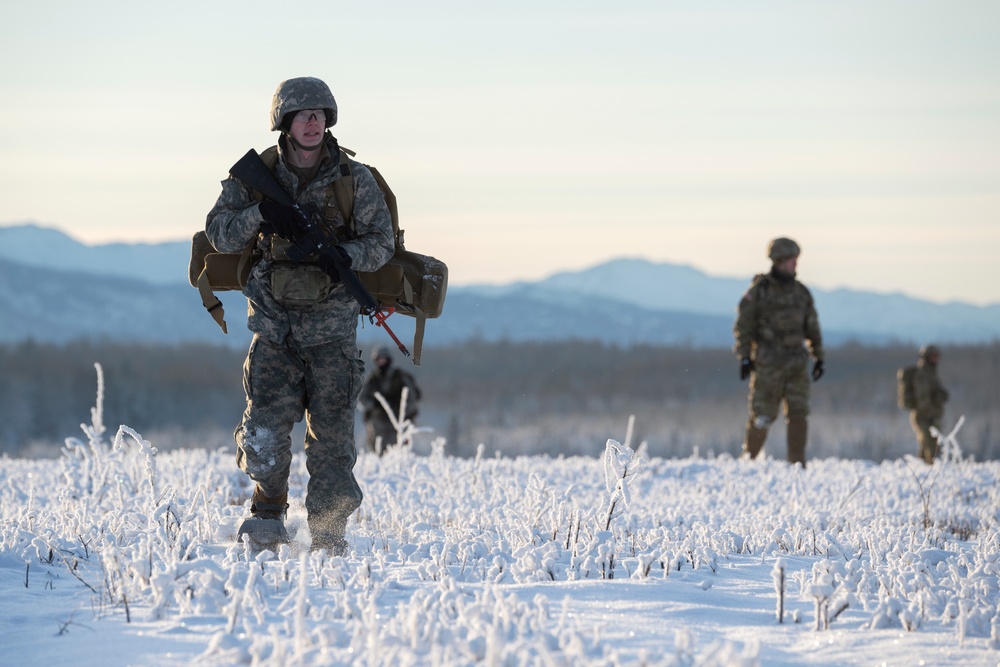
53,288
44,247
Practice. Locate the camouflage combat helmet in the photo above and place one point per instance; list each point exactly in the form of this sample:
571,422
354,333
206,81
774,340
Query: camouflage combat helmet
304,92
381,353
782,248
928,350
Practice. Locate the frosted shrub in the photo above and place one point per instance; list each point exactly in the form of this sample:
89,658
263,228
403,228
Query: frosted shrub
778,576
831,590
404,427
450,558
620,468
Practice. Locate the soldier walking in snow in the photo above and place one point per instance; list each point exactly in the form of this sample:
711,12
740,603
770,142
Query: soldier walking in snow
776,320
389,382
303,360
929,397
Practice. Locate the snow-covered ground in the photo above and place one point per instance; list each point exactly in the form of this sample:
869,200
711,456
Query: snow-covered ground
116,555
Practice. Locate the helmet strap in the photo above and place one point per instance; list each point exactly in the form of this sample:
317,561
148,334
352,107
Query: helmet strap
300,146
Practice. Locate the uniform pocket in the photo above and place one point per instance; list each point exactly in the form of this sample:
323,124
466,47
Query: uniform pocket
357,367
299,284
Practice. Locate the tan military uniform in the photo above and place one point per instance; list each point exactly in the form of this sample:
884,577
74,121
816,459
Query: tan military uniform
930,397
776,321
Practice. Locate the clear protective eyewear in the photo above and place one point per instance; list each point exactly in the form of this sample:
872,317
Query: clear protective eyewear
306,115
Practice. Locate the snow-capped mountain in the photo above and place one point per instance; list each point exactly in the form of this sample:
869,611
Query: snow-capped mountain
44,247
671,288
55,288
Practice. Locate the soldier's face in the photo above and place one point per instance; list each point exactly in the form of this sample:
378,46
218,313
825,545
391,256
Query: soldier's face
788,265
308,127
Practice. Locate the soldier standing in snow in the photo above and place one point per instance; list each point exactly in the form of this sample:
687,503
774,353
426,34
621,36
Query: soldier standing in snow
389,381
776,319
929,397
303,360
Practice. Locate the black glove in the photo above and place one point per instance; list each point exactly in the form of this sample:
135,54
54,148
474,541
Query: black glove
818,369
326,262
745,367
282,220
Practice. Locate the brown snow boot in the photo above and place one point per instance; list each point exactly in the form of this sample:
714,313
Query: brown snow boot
754,440
798,432
329,535
328,526
265,529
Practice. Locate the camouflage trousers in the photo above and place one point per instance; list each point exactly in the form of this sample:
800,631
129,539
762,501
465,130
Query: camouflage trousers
925,439
283,382
779,380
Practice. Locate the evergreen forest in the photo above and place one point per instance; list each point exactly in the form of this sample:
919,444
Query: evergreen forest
556,398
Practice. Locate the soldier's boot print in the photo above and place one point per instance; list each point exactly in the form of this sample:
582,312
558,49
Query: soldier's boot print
798,433
754,440
265,528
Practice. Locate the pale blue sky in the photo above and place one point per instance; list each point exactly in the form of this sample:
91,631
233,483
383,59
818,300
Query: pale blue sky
526,138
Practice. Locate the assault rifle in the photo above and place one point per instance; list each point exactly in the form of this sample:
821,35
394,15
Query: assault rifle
310,239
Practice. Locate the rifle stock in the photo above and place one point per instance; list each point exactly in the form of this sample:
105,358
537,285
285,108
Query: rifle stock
251,171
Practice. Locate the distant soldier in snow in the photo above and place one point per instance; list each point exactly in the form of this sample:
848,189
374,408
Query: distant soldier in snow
929,397
776,320
304,359
389,382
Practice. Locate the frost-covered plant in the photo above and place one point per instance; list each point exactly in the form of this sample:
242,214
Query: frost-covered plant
778,576
832,591
621,465
949,460
822,590
949,450
994,642
443,549
403,425
142,461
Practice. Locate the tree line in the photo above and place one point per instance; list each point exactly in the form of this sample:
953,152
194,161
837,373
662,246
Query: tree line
47,390
577,394
518,398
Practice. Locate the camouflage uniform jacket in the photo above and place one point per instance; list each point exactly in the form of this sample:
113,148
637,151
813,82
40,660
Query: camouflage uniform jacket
928,392
775,318
235,221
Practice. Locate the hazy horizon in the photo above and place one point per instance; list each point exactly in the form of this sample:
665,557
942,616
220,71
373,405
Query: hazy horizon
557,271
527,139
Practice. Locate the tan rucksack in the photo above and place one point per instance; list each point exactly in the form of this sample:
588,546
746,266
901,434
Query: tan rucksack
412,284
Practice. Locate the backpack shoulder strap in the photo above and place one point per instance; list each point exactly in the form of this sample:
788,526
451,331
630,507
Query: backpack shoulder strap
390,202
270,157
344,194
343,188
